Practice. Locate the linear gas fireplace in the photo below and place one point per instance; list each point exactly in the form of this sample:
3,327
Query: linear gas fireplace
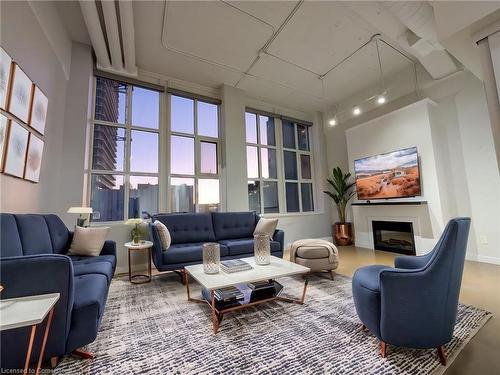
394,236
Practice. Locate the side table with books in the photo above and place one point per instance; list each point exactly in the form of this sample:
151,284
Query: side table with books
250,285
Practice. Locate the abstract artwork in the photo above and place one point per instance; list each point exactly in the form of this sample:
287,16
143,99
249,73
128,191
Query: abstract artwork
39,111
20,95
5,64
34,159
16,150
3,136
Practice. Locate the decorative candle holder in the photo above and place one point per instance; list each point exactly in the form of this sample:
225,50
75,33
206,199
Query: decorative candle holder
262,249
211,257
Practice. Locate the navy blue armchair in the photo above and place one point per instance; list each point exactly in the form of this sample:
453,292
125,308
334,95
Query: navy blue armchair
189,231
415,304
33,252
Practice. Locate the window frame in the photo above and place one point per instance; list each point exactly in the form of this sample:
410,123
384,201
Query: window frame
126,173
280,164
198,139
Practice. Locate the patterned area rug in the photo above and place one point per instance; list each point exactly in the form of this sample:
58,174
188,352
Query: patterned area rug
152,328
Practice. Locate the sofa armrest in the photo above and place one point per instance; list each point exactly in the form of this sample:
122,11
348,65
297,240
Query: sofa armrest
33,275
279,236
109,248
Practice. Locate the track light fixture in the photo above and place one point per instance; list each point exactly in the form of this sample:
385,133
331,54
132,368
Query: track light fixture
356,111
381,99
333,121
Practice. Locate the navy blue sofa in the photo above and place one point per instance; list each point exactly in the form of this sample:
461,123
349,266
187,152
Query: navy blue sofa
189,231
415,304
33,261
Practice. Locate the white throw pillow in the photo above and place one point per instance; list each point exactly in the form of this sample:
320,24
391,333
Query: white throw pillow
88,241
164,234
266,226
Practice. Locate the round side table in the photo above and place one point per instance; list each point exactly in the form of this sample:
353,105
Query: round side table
139,278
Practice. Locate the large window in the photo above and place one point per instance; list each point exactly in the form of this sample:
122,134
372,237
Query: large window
279,167
194,155
125,143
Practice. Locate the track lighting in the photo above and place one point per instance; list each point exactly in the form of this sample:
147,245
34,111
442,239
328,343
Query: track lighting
381,99
333,121
356,111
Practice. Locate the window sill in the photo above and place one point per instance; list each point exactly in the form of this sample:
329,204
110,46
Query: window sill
294,214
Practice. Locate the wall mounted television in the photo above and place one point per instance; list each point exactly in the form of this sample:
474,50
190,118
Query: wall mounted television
395,174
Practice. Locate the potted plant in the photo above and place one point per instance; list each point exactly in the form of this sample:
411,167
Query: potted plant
136,234
342,190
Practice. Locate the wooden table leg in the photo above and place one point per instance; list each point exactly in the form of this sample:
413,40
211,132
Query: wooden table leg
44,342
186,282
215,320
30,349
306,282
149,263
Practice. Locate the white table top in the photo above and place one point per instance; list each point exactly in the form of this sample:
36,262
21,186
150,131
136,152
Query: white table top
144,245
278,268
25,311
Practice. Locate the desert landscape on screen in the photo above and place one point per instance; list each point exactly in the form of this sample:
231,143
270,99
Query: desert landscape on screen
391,175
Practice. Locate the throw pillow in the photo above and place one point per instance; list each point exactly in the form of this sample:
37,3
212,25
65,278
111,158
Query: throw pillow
266,226
88,241
164,234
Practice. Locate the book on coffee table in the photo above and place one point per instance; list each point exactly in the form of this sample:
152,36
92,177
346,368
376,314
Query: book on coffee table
234,265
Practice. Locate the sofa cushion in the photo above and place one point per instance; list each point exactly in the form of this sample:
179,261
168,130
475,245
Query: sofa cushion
313,252
188,252
111,259
59,234
86,267
34,233
229,225
10,242
188,227
244,246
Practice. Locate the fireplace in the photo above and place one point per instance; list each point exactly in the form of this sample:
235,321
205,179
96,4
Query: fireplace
394,236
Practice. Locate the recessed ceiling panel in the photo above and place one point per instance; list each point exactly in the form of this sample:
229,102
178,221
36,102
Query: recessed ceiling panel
272,12
320,35
272,69
214,31
281,95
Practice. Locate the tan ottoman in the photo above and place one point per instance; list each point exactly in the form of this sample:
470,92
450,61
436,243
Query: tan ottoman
318,255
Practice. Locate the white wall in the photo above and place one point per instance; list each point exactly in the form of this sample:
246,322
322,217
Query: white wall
406,127
467,176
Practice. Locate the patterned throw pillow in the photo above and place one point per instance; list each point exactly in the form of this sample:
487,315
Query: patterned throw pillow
164,234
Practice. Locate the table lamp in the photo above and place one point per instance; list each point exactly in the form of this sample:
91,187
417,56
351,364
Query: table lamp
80,222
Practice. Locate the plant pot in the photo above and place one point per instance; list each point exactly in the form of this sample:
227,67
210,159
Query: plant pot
342,234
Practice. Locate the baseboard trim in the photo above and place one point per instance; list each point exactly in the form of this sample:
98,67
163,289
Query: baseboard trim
483,259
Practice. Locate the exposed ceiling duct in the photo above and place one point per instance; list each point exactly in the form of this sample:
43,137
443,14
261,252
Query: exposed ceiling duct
115,49
421,37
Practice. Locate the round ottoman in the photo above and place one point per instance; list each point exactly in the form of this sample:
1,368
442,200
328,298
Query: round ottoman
318,255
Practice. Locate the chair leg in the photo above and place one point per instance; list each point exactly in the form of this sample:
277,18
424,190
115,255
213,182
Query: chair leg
83,354
332,275
54,361
383,349
363,328
442,355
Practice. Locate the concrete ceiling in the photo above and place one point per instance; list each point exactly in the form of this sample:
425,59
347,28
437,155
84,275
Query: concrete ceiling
295,54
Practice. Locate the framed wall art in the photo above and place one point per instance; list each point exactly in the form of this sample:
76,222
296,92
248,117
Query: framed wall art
17,144
33,158
38,110
5,75
20,95
4,122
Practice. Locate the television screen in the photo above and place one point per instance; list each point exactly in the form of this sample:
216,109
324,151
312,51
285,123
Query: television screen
391,175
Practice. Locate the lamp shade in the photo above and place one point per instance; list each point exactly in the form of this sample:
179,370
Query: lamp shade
80,210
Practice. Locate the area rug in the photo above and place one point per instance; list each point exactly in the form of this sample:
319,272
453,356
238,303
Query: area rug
152,328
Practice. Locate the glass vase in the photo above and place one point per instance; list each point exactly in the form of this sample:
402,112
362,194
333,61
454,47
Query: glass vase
262,249
211,257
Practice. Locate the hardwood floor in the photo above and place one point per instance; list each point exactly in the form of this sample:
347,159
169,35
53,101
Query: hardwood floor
480,287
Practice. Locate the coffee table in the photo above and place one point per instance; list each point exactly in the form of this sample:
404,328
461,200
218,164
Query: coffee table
276,269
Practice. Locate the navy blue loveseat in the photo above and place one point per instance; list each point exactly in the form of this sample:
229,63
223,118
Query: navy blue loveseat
33,261
189,231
